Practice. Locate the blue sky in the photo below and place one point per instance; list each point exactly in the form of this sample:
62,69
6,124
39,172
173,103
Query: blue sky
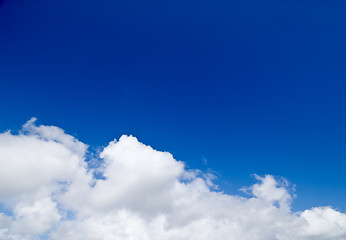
251,86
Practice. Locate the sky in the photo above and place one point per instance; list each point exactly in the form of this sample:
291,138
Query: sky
236,89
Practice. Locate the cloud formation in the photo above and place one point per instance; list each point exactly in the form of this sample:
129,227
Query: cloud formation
47,191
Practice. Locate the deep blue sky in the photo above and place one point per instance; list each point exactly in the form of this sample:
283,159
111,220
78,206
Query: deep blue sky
251,86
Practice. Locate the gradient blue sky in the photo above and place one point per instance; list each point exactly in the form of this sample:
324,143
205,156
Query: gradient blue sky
250,86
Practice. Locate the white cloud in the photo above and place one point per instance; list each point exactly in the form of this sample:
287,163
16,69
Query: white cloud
48,190
35,218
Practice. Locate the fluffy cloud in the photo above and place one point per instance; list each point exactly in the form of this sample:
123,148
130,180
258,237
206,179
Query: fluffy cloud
47,191
38,158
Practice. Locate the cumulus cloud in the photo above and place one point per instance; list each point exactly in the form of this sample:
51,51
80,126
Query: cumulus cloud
47,191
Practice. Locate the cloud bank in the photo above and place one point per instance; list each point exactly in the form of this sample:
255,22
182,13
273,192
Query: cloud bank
48,191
